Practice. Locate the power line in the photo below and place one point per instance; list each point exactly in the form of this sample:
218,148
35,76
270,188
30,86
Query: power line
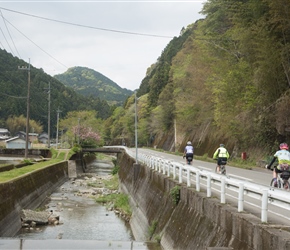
6,41
9,33
16,97
35,43
85,26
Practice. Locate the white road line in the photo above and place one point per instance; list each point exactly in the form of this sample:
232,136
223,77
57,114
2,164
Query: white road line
240,177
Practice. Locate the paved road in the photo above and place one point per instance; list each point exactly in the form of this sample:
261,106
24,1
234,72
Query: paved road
256,175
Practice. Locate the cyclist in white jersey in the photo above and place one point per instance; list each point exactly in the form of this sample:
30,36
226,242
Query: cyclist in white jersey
283,156
188,150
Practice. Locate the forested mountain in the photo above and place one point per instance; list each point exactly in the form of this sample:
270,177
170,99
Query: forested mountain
225,79
88,82
14,86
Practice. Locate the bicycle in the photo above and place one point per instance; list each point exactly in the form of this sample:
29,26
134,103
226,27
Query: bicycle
223,170
188,159
282,181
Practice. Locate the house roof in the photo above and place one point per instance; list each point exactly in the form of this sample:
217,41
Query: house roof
43,136
24,133
16,138
4,130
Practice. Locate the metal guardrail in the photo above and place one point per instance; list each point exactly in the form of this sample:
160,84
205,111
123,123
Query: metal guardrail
189,175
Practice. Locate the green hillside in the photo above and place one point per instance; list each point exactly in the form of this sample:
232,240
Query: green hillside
88,82
13,85
225,79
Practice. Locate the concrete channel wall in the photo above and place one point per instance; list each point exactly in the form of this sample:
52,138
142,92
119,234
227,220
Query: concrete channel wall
195,222
28,192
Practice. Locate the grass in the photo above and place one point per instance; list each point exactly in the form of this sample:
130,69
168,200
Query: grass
15,173
18,172
120,201
152,228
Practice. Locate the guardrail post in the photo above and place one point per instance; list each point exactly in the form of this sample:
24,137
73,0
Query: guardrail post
164,171
264,212
208,185
188,177
174,172
241,198
168,169
180,174
159,165
223,190
197,181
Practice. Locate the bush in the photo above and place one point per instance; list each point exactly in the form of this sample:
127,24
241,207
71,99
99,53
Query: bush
115,170
175,194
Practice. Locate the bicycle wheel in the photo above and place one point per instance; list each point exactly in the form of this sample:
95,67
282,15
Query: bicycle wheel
223,170
275,184
286,185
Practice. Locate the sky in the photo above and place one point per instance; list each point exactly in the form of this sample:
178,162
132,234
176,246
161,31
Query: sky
119,39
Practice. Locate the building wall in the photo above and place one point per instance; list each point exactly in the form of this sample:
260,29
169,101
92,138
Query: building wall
18,143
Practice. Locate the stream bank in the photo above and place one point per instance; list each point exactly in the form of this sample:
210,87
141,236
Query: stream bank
81,218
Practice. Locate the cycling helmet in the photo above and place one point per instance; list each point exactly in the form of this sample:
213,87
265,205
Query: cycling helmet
284,146
222,145
189,143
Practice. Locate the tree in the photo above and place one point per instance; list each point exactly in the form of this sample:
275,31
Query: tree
86,136
18,123
82,127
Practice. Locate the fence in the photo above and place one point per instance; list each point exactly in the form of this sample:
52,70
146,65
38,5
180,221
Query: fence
193,175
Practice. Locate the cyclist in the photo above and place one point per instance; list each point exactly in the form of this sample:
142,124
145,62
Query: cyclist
188,151
283,156
221,155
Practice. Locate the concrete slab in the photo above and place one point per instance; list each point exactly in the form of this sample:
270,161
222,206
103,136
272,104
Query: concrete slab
15,244
72,169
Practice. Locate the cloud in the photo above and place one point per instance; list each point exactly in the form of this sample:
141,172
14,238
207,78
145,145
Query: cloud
107,36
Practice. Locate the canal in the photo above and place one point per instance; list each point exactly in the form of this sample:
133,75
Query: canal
80,216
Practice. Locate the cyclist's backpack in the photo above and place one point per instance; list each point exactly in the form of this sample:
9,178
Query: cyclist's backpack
284,167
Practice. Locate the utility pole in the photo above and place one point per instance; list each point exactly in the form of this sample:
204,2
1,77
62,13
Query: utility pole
136,165
79,131
136,129
58,111
175,137
28,108
48,119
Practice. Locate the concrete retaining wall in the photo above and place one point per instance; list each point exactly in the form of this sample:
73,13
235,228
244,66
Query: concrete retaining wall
27,192
196,222
21,152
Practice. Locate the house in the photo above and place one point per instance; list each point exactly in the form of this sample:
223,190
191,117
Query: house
4,134
32,136
43,138
21,134
17,142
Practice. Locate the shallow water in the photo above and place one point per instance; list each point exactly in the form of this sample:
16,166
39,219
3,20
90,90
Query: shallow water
81,218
